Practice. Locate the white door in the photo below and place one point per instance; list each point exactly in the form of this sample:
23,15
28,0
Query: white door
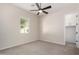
77,31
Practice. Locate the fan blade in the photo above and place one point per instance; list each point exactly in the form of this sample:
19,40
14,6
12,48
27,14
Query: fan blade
45,12
46,8
38,13
34,10
38,5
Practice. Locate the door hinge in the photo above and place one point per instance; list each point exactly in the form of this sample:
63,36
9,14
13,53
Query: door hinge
76,23
76,32
76,41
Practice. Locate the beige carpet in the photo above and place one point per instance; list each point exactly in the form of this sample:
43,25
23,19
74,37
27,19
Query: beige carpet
41,48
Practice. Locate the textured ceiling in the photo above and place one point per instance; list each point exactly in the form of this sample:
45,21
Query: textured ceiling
55,6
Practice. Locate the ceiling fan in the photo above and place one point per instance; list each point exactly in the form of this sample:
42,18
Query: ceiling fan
40,10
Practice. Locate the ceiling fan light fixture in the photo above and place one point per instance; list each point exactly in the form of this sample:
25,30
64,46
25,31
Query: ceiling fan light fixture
40,11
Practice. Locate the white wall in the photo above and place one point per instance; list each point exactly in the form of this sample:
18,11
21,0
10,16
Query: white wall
52,26
10,26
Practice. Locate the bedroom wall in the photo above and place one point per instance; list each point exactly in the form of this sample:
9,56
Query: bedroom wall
53,28
52,25
10,26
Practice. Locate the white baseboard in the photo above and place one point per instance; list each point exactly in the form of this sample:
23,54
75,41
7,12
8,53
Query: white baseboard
17,45
54,42
27,43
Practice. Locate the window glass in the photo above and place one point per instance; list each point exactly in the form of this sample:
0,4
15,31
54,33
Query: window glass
24,25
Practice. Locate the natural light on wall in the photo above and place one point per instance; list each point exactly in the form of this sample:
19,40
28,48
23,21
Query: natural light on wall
24,25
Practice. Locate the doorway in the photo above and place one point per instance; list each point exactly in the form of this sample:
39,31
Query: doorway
71,33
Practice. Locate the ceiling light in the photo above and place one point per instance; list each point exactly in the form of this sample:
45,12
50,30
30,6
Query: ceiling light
40,11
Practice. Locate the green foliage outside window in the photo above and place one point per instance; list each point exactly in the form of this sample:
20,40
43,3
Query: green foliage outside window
24,24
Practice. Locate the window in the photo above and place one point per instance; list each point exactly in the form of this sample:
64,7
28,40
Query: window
24,25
